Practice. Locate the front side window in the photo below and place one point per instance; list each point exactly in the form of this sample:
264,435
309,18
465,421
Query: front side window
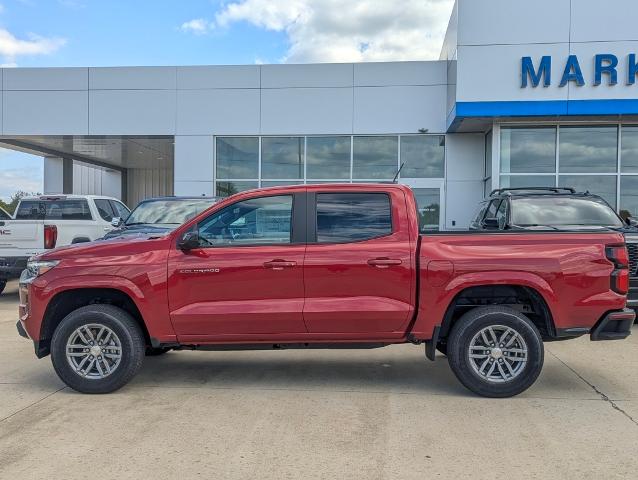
104,208
352,217
257,221
120,209
501,214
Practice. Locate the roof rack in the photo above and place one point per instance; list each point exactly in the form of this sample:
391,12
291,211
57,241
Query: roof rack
498,191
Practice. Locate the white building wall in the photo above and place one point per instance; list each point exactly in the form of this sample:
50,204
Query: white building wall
91,180
465,154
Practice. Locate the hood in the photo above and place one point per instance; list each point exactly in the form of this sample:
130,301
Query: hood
115,247
144,229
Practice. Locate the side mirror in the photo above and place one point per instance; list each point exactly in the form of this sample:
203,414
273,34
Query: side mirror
631,221
116,222
188,241
490,223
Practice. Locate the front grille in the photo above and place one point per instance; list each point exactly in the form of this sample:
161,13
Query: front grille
632,249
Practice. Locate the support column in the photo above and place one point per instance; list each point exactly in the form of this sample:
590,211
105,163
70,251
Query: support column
67,175
53,175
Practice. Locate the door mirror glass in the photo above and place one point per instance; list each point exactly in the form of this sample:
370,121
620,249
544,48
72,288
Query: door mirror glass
116,222
188,241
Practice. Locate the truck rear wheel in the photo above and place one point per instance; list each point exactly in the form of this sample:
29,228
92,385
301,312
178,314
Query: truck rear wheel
97,349
495,351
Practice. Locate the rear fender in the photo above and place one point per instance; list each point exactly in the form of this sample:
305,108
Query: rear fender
435,302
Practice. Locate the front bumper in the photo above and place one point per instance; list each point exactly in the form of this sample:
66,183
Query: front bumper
614,325
21,331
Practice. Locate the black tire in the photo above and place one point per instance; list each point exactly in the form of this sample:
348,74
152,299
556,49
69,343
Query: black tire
154,352
118,321
469,325
3,284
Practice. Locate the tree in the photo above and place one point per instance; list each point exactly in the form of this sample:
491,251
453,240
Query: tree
11,206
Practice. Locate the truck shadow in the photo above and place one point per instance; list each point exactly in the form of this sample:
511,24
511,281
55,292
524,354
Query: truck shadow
293,370
331,371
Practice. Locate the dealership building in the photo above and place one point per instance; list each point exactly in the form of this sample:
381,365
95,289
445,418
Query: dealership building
540,93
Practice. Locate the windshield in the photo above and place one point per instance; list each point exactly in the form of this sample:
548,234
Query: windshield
554,211
168,212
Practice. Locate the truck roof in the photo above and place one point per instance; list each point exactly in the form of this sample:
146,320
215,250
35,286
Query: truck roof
66,196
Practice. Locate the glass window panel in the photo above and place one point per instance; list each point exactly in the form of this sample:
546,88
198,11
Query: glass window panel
352,217
104,208
629,196
428,202
328,157
629,149
281,157
275,183
258,221
226,189
375,157
522,181
528,150
237,157
423,156
588,149
603,185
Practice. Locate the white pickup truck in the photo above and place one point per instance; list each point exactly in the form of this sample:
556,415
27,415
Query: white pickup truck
49,221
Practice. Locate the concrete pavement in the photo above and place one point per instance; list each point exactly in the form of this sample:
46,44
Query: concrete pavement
385,413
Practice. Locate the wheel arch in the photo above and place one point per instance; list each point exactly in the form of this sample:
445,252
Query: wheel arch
66,301
524,298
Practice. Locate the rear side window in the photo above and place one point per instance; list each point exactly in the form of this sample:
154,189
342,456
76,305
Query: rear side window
352,217
76,209
104,209
491,210
478,216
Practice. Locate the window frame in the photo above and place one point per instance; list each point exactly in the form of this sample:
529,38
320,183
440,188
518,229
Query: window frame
297,229
312,216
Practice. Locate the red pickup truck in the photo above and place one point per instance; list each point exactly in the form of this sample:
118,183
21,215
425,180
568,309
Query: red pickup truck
325,266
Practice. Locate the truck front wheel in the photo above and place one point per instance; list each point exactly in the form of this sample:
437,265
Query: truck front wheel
495,351
97,349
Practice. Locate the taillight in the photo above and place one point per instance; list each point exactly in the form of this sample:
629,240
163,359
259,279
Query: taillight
50,236
617,254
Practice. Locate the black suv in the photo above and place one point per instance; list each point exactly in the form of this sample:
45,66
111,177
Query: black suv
561,209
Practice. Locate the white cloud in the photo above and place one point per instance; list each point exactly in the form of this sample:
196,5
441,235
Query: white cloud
198,26
345,30
12,47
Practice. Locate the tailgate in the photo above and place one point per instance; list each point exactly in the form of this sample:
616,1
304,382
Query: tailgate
21,234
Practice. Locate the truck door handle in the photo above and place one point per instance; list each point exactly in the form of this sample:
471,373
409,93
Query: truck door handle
278,264
383,262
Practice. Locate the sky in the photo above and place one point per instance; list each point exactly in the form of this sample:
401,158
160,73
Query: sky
64,33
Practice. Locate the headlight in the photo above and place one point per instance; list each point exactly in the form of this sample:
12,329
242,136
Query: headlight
35,268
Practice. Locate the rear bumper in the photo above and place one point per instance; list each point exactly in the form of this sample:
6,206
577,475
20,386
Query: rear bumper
11,267
614,325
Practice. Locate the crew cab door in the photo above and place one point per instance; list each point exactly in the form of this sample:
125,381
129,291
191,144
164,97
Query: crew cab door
246,275
358,271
